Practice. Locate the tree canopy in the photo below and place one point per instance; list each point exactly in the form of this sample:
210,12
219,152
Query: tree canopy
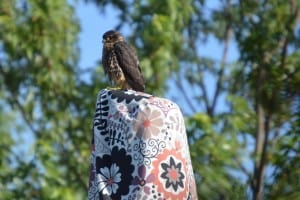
242,114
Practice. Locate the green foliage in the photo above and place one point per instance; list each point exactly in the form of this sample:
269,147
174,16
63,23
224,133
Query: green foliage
286,161
40,81
42,93
211,169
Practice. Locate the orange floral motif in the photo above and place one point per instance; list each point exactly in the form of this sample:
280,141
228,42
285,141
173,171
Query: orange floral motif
148,123
171,170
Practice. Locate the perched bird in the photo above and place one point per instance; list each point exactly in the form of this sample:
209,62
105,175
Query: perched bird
121,63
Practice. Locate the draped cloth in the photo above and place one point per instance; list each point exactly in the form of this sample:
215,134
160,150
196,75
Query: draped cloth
139,149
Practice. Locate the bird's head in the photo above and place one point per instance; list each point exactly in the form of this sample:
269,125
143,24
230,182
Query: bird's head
111,37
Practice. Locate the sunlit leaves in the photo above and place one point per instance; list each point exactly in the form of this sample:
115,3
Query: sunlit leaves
38,69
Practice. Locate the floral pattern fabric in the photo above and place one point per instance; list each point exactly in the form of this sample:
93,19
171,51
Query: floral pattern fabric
139,149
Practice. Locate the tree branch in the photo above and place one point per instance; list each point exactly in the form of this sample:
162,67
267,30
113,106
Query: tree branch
205,97
14,100
257,186
221,71
227,36
260,135
207,104
187,99
241,166
263,161
24,115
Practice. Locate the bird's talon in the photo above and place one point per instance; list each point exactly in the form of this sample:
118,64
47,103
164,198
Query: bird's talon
113,88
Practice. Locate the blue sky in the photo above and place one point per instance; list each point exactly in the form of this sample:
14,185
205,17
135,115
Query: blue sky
93,25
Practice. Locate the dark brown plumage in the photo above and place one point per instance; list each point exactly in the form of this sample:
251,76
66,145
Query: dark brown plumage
121,63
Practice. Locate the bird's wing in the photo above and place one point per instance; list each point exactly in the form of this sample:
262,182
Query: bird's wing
105,59
129,63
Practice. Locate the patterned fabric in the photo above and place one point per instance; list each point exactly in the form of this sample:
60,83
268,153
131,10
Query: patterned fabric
139,149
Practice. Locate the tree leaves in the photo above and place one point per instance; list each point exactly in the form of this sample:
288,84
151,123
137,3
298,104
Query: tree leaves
38,65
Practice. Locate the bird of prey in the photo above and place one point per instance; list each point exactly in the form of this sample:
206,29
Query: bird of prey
121,63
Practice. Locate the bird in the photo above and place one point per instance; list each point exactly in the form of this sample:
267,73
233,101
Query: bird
120,62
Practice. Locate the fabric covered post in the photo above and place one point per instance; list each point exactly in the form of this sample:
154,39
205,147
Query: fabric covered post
139,149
